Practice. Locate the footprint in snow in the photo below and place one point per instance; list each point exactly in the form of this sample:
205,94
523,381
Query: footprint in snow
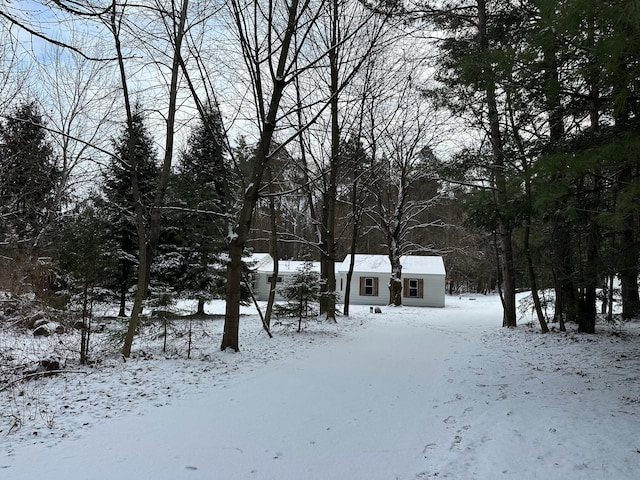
427,447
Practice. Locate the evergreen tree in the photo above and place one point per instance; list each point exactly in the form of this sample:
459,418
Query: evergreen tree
554,85
476,63
302,291
202,165
84,260
118,198
28,175
191,258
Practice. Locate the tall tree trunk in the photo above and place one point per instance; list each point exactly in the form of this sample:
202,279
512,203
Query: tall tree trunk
141,231
234,282
148,240
587,317
237,242
84,334
328,265
610,296
239,233
504,229
565,295
355,231
533,283
565,275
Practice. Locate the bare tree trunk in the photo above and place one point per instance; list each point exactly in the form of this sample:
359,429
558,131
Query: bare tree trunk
356,199
566,299
347,287
328,265
148,240
544,328
135,312
395,282
238,239
273,247
610,295
239,233
232,311
355,231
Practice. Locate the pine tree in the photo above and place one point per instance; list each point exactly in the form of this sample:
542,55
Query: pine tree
118,198
302,291
191,258
28,174
554,85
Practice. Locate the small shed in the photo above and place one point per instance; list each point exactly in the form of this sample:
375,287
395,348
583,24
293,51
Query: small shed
423,280
263,273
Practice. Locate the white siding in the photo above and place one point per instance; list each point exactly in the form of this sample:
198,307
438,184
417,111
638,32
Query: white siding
433,292
356,299
429,269
262,284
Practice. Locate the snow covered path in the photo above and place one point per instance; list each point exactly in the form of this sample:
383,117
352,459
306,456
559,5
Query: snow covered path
405,397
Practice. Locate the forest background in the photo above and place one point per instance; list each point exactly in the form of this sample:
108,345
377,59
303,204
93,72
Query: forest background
146,147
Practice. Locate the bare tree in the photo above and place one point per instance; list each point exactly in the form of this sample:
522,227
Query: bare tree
173,24
12,78
352,34
266,38
80,97
405,187
33,68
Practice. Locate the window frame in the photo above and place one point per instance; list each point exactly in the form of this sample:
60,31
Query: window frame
417,289
369,286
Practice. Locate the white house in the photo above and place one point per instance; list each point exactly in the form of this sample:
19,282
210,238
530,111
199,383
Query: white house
423,280
263,272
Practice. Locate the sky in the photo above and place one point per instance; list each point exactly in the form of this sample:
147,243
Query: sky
411,393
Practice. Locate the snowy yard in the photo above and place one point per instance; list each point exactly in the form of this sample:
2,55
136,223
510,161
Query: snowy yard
412,393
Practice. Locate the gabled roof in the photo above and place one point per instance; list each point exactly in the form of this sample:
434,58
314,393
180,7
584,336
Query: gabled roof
380,264
264,263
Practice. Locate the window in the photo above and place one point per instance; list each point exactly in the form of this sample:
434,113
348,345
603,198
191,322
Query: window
413,288
368,286
270,277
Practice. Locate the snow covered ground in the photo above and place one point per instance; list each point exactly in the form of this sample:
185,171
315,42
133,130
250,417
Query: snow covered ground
411,393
